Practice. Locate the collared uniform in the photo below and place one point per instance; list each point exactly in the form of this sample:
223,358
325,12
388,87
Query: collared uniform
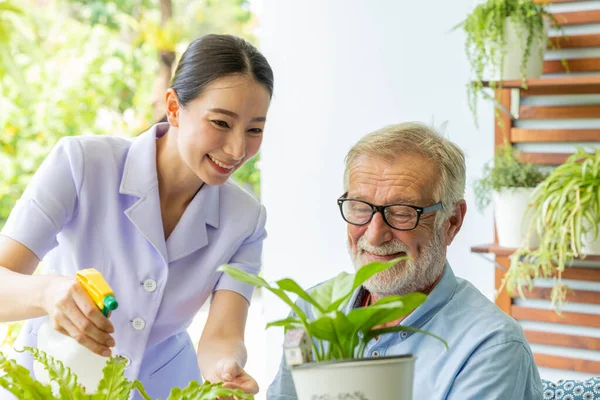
94,203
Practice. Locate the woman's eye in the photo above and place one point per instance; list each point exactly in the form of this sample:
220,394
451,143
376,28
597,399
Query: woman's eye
221,124
256,131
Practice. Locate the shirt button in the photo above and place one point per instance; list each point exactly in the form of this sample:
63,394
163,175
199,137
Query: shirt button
138,324
375,353
150,285
404,335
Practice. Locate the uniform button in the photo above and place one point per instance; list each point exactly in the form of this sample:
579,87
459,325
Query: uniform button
404,335
375,353
138,324
150,285
127,360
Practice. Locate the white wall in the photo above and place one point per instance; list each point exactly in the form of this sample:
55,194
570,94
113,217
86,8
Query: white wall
343,69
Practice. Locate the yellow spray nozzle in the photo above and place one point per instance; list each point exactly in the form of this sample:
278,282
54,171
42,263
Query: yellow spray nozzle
98,289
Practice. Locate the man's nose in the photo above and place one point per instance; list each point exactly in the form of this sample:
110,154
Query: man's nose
378,232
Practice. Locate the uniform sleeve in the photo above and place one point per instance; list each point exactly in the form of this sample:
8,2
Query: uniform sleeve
503,371
50,199
247,258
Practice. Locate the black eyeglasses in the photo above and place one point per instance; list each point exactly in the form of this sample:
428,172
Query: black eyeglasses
402,217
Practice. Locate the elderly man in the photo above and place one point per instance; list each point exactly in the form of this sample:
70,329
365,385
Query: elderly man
404,188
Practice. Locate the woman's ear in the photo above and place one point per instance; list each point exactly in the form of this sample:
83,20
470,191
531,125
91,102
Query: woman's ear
173,108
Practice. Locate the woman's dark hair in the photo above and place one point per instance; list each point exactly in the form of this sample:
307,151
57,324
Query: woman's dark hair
215,56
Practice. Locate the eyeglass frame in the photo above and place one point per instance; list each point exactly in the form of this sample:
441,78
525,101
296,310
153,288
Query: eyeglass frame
381,209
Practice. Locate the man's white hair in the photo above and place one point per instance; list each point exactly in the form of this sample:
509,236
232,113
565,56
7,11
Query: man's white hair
394,141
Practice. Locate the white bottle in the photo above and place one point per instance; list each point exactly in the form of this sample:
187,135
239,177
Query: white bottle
83,362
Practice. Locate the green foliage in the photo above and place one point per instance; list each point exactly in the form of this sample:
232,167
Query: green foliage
113,385
506,172
566,205
337,335
485,46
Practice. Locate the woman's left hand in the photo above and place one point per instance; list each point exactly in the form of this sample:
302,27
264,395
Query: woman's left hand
233,376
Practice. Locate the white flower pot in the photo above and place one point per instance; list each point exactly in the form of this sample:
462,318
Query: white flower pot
512,219
515,46
360,379
591,244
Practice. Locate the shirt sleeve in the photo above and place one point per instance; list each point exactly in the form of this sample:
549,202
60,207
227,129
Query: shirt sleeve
282,387
503,371
49,200
247,258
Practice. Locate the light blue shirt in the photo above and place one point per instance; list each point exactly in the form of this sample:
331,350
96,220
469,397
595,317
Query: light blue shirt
94,203
488,358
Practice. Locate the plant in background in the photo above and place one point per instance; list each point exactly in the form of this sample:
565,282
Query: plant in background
338,335
566,206
113,386
505,172
486,43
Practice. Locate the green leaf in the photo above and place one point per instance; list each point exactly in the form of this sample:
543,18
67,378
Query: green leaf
69,387
337,291
291,286
289,322
113,384
244,276
385,310
18,381
207,391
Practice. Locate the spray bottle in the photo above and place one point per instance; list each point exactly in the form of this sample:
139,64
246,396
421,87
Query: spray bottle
83,362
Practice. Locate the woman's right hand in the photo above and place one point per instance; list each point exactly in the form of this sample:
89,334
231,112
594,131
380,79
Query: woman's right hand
74,314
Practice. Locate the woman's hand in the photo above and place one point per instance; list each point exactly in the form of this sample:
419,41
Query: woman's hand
233,376
74,314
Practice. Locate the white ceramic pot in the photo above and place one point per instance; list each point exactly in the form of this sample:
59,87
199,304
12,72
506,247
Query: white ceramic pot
360,379
591,244
512,219
515,45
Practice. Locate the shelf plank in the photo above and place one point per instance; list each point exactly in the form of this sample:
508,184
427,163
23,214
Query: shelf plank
558,1
573,296
565,318
505,252
561,339
520,135
576,41
559,112
551,159
555,85
574,64
572,364
578,17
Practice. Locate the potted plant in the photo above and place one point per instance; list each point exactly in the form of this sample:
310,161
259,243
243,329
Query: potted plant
337,340
506,40
566,215
510,184
113,385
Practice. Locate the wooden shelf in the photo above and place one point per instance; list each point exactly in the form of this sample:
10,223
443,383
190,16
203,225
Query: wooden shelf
505,252
588,82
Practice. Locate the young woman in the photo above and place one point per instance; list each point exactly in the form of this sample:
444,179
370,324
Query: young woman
156,215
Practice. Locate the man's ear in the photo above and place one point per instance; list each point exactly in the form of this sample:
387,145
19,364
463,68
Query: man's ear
173,107
455,221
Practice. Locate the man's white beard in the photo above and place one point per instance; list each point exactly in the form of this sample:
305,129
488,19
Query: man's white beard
407,276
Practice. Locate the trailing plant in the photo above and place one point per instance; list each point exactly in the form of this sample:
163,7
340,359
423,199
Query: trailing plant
113,385
505,172
486,44
338,335
565,206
